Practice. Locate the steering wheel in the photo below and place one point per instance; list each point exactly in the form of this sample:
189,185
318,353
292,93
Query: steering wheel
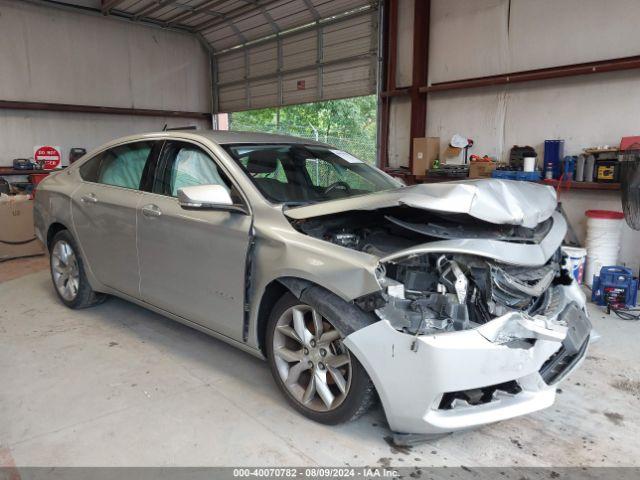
335,185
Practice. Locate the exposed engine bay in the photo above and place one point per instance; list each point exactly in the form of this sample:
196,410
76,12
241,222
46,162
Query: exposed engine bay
440,291
475,312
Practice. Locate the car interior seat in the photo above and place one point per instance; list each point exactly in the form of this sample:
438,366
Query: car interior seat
265,162
123,167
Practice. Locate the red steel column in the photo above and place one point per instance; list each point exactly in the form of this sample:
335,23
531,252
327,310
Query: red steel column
390,52
420,72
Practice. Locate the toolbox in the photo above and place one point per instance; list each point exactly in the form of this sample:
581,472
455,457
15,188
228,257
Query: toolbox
615,286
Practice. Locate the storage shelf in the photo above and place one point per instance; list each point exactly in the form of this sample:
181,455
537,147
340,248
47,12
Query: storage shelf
583,185
10,171
553,183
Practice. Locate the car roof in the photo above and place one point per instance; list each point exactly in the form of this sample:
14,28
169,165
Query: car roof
221,137
224,137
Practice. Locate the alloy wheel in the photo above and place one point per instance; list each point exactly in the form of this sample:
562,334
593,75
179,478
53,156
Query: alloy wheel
313,364
64,266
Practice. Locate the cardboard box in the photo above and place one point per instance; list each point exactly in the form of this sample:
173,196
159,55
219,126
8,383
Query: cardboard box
481,169
17,235
425,151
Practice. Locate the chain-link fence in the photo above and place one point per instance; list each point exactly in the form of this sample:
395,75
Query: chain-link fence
363,148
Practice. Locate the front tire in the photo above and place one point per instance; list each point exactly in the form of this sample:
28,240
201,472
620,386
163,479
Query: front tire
317,374
68,274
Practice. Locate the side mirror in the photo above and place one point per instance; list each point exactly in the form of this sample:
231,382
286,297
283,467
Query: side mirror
207,197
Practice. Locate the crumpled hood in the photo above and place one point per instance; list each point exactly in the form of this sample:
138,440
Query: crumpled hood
495,201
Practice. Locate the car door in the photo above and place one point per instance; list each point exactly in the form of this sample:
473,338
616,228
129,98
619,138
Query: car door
192,262
104,213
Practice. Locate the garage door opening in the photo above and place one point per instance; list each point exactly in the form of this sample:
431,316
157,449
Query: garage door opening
349,124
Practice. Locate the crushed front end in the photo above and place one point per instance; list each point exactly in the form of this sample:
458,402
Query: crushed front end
478,321
465,340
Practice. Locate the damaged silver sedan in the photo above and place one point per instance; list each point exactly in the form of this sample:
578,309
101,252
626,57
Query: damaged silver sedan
450,302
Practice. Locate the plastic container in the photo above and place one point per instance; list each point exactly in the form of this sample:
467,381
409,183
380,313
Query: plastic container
528,176
568,167
529,164
589,166
604,233
504,174
553,150
615,286
579,175
576,258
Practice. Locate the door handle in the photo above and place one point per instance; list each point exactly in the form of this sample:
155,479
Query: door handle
91,198
151,211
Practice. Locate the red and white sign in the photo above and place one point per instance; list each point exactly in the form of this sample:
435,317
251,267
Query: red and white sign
47,155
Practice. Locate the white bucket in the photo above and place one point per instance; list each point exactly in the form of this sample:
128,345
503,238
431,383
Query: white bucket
575,262
604,234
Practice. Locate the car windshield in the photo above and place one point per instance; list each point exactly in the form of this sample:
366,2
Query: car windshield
301,174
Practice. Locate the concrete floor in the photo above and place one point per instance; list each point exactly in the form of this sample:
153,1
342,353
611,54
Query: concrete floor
119,385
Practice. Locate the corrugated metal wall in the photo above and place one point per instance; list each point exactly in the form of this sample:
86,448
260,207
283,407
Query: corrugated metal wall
333,60
475,38
57,56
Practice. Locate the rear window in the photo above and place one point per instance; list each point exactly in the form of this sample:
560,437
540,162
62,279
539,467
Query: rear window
121,166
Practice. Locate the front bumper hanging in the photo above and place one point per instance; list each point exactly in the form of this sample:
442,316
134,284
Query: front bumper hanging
463,379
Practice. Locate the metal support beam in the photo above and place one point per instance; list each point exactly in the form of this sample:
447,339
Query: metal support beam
65,107
600,66
247,81
107,5
420,72
114,14
152,8
202,8
312,9
280,62
389,52
235,13
319,62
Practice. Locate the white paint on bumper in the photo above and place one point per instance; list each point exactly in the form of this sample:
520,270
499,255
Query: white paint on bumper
411,383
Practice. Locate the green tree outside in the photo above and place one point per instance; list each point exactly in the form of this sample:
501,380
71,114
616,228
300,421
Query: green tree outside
349,124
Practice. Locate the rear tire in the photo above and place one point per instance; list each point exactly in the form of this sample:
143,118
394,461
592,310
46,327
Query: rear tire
68,275
317,374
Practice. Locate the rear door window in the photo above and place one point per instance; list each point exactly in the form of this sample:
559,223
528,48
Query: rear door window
121,166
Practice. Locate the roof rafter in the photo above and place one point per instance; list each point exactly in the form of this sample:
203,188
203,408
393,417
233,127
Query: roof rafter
107,5
204,7
151,8
233,14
